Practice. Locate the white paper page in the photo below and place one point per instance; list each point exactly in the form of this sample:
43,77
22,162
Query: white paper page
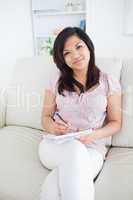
66,137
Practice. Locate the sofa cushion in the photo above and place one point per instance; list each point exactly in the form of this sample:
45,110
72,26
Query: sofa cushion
3,99
110,66
116,178
125,137
26,92
21,173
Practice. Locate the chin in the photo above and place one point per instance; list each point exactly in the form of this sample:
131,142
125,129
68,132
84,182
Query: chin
79,69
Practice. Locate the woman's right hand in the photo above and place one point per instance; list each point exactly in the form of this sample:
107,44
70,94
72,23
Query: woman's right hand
59,127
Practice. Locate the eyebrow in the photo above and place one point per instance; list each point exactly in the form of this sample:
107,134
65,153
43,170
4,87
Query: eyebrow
75,46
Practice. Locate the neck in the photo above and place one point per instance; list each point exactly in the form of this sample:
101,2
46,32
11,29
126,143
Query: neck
80,76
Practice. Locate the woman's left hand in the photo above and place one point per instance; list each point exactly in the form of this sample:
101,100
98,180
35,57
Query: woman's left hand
86,139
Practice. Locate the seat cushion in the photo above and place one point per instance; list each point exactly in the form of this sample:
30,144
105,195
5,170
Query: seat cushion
21,173
116,178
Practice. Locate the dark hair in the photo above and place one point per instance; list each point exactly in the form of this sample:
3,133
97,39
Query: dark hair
66,80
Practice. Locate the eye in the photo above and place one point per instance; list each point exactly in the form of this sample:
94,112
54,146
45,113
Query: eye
66,53
79,46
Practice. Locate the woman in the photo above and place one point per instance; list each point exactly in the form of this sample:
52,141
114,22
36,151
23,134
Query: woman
83,96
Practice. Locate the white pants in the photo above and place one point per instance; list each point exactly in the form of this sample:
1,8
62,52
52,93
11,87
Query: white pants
74,167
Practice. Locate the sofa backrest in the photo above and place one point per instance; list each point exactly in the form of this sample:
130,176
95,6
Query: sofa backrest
26,92
125,137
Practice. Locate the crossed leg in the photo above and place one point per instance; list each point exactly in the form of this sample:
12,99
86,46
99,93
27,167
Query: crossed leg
74,168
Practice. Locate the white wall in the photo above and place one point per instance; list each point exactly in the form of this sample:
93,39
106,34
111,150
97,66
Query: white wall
56,4
106,28
16,38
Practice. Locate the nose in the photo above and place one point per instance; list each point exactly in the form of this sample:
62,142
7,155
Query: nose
75,54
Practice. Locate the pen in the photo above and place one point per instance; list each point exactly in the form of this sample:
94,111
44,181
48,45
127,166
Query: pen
61,117
74,129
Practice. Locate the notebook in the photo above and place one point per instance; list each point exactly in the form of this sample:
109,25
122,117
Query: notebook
59,139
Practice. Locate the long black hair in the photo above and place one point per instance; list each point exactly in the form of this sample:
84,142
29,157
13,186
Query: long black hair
66,80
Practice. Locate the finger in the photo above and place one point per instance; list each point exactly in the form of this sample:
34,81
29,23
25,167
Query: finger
80,140
59,122
62,127
61,132
59,125
83,140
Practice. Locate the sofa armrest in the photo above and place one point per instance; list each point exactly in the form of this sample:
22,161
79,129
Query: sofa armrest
3,103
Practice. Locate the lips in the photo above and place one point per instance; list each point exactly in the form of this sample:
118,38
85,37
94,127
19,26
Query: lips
77,61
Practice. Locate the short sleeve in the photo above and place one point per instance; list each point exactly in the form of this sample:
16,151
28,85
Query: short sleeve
52,82
113,85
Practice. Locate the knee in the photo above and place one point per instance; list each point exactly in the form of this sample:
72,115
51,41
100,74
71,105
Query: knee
76,146
76,150
41,152
45,154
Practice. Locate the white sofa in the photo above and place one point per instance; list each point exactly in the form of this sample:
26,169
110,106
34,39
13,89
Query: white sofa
21,173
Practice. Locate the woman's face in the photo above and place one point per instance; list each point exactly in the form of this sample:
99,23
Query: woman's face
76,53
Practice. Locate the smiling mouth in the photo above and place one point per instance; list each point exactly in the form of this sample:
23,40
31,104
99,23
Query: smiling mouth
77,61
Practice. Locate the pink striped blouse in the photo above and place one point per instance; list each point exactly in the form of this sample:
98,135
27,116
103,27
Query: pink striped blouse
89,109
